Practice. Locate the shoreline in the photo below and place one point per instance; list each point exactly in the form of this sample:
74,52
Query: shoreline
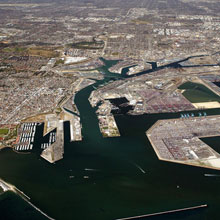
8,187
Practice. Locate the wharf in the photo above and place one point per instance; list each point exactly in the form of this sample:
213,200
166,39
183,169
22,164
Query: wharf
56,150
178,140
108,126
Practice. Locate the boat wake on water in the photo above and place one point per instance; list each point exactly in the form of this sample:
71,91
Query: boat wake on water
93,170
213,175
143,171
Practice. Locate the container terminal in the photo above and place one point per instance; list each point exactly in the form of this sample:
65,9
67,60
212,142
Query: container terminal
178,140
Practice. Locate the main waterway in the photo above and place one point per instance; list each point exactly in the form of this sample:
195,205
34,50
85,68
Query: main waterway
108,178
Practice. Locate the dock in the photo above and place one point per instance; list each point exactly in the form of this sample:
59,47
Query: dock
26,136
52,139
165,212
75,125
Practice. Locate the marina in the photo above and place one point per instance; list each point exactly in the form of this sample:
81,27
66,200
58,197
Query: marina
26,136
52,139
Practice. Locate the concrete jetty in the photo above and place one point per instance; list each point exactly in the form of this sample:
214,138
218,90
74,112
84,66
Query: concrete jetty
165,212
6,187
55,151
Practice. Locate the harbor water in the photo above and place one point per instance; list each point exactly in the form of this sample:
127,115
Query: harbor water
109,178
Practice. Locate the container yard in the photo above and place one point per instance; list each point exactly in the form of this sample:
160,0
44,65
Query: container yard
178,140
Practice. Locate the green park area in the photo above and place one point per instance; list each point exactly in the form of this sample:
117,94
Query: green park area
87,45
3,131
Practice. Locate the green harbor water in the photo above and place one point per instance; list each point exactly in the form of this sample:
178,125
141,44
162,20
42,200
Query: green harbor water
196,92
109,178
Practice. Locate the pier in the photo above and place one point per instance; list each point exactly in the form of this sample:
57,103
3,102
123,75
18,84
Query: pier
108,126
55,151
75,125
165,212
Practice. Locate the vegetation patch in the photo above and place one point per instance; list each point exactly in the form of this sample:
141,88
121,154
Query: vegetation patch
3,131
43,52
87,45
15,49
58,62
140,21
